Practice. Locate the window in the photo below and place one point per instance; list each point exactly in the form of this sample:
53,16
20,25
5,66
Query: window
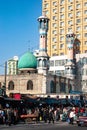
54,32
85,27
46,5
70,15
85,34
62,87
85,19
59,72
84,60
54,54
62,53
54,3
61,23
69,29
11,85
59,62
85,4
85,52
61,31
78,35
61,38
54,18
78,6
62,9
78,13
29,85
85,12
78,20
52,87
85,42
78,28
54,25
56,62
61,1
54,10
70,7
51,63
70,0
70,22
46,12
61,46
62,16
54,46
44,64
54,40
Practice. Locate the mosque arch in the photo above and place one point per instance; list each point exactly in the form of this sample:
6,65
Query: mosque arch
70,88
29,85
11,85
62,87
40,63
44,62
52,86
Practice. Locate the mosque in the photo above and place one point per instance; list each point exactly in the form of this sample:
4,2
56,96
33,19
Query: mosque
33,75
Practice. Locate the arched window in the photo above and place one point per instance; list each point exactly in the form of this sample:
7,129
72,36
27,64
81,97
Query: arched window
52,86
11,85
29,85
44,63
40,63
0,84
62,87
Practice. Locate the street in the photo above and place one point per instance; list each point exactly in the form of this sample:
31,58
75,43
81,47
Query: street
43,126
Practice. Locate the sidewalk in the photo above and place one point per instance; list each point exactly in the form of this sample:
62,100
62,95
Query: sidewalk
2,126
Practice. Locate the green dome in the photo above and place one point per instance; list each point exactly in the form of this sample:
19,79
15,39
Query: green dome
28,60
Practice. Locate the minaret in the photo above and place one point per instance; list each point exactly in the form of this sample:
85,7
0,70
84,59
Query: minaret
70,67
43,57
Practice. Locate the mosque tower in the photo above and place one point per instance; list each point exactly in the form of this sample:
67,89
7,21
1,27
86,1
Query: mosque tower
70,67
43,58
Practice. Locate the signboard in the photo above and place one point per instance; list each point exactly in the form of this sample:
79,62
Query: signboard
17,96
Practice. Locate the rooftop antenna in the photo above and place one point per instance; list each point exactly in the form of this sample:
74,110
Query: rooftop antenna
29,45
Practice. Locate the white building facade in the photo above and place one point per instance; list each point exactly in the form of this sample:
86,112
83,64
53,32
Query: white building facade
57,67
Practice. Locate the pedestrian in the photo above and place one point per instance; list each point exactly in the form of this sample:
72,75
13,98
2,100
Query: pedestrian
51,115
71,116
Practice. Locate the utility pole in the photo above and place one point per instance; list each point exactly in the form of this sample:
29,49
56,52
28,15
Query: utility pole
3,89
5,74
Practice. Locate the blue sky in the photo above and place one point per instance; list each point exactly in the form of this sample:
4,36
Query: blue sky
18,27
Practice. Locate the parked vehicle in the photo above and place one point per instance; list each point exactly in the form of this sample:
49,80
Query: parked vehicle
82,119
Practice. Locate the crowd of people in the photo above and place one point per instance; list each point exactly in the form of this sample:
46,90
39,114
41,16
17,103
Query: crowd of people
49,114
9,116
